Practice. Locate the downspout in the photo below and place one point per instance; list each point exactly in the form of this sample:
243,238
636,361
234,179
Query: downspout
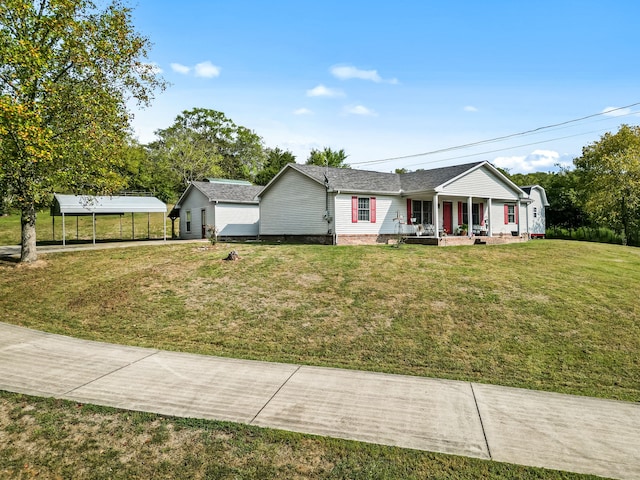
327,213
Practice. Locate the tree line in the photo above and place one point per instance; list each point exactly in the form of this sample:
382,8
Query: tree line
204,143
600,195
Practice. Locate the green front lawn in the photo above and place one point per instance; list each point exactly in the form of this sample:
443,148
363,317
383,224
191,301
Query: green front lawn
550,315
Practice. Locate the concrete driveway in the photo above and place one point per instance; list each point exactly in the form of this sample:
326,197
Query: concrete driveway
564,432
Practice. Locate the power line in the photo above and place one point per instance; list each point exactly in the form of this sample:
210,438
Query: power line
496,139
504,149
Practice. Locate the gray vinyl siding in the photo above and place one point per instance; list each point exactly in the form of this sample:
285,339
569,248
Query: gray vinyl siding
536,225
480,183
195,202
237,219
295,205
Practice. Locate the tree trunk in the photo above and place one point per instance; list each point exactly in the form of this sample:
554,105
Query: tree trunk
28,253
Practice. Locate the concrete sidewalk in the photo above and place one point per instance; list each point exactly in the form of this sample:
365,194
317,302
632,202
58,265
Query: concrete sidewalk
563,432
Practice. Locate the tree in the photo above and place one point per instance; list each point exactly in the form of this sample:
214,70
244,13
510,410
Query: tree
205,143
328,158
276,161
67,71
564,209
609,179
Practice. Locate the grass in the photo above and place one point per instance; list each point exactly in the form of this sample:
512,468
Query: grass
551,315
80,229
46,438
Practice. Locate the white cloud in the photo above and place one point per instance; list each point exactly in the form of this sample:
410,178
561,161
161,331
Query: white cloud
179,68
322,91
470,108
616,112
360,110
302,111
207,70
536,161
347,72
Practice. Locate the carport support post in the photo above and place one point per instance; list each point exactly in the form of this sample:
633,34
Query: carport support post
164,225
94,227
148,225
64,233
133,228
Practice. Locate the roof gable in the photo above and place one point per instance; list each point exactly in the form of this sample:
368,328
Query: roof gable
353,180
543,194
224,192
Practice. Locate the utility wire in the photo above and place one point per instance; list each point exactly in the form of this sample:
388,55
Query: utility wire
502,149
496,139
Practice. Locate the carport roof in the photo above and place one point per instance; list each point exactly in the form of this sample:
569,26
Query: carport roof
104,205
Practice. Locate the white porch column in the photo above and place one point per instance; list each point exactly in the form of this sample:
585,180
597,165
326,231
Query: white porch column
518,205
436,223
469,217
489,219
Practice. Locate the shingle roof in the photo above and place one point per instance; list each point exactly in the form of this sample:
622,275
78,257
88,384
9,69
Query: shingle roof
228,192
349,179
422,180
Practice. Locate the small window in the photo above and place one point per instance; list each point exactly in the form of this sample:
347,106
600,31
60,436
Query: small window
535,212
188,213
511,213
363,210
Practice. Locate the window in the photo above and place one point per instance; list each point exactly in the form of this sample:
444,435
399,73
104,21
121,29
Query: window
475,214
363,209
511,214
422,211
462,209
188,219
535,212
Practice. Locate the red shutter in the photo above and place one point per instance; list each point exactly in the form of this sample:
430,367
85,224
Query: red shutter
481,214
354,209
372,205
409,211
460,213
506,214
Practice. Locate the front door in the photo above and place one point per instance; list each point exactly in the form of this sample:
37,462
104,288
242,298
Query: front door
447,217
203,222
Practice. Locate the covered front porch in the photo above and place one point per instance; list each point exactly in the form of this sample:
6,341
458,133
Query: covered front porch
462,220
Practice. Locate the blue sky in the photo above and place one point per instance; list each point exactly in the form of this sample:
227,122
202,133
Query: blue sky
384,79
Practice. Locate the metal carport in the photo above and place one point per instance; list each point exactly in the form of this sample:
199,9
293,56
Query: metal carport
90,205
